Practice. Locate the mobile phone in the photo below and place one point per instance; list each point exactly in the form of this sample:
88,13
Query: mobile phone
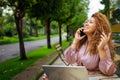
81,32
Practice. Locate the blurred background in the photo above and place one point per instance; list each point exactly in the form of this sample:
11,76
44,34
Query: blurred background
28,20
22,21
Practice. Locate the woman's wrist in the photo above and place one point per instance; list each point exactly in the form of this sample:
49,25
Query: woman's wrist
75,41
102,53
100,48
74,44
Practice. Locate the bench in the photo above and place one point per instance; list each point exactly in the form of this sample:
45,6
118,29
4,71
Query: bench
60,54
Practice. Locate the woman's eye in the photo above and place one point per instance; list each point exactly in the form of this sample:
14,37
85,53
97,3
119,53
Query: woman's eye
91,21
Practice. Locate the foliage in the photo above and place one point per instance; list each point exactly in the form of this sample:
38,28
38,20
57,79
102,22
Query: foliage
45,9
107,6
66,12
1,33
25,33
1,21
9,29
61,10
54,27
8,40
116,14
79,17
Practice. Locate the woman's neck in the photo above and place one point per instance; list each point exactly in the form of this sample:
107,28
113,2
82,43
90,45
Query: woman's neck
89,38
88,42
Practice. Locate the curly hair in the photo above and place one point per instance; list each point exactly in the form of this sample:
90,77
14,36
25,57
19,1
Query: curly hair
102,25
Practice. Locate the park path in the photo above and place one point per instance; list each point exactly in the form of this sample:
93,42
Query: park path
12,50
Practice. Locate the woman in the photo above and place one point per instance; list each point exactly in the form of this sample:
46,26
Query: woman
94,50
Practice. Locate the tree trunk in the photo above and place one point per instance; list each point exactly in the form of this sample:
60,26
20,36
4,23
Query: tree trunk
44,22
48,33
60,37
1,32
36,30
31,24
18,20
67,33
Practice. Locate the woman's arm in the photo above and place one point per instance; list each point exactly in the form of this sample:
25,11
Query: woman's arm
106,64
70,55
71,52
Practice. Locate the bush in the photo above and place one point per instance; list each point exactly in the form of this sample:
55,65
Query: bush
9,30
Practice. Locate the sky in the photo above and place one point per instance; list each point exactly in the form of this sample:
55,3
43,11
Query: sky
7,10
94,6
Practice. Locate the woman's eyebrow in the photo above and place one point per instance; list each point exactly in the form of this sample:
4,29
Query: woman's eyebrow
92,20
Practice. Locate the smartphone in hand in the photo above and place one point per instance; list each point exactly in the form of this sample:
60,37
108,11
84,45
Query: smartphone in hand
81,32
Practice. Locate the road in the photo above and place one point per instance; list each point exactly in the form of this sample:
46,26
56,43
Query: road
12,50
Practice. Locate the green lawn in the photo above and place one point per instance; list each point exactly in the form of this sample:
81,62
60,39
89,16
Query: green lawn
9,40
10,68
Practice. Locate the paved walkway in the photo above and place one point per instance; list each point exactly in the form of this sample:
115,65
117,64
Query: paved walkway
12,50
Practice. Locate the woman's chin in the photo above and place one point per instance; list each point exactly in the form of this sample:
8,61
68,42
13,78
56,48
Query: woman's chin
86,31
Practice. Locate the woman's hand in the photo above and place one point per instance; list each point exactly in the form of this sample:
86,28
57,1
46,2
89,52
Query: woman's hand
103,41
77,35
77,38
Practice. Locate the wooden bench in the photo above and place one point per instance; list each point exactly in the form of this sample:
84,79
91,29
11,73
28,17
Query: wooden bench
60,54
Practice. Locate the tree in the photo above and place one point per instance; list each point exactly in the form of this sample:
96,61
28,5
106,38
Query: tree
19,8
80,14
67,12
1,21
73,4
116,14
46,10
34,27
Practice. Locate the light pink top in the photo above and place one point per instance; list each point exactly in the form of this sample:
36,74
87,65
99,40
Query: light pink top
93,63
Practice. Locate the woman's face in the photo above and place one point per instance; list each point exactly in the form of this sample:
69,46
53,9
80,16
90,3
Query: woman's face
90,26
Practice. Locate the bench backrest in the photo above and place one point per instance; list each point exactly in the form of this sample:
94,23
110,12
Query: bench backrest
60,53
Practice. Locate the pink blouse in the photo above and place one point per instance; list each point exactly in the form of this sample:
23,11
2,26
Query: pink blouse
93,63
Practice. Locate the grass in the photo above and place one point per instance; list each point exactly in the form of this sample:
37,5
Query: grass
10,68
9,40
